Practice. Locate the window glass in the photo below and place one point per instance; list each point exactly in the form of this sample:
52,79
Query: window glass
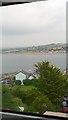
33,52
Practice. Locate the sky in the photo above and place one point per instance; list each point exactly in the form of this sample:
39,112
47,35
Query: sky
33,24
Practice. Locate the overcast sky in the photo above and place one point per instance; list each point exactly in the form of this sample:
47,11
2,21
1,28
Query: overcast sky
33,24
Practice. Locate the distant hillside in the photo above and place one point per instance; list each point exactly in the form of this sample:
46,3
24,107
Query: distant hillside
48,47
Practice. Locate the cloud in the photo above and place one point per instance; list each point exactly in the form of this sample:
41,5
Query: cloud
36,23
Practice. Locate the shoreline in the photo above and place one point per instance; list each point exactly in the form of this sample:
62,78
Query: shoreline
33,53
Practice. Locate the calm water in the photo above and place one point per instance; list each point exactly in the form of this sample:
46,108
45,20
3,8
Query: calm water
15,62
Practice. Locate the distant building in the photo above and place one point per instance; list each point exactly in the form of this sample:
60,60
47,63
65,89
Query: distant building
21,76
5,80
31,77
66,71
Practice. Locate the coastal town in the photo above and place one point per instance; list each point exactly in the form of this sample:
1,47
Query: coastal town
49,48
21,74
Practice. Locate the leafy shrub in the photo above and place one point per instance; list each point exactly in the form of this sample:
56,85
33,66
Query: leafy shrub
7,99
18,82
29,82
41,104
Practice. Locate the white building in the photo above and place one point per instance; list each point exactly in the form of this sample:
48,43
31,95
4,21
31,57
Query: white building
20,76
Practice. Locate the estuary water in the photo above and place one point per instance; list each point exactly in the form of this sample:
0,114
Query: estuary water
15,62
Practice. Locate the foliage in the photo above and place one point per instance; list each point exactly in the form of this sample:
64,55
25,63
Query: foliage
7,99
26,93
52,82
18,101
41,104
37,95
29,82
18,82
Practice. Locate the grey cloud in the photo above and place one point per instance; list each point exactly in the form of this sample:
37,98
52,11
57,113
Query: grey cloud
10,31
36,23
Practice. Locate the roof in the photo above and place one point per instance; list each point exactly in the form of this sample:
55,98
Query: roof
26,73
22,71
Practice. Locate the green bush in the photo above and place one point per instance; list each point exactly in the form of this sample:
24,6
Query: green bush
29,82
41,104
18,101
26,93
7,99
18,82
